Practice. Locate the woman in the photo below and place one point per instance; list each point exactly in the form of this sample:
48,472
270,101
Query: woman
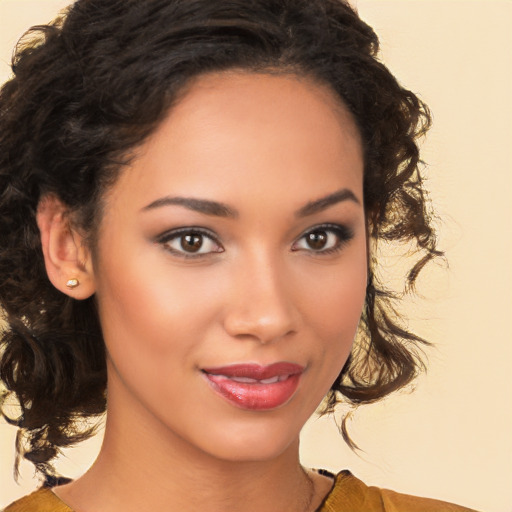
191,197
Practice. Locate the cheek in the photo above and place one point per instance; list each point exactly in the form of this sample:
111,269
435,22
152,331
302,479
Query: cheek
151,325
335,310
141,301
335,315
340,318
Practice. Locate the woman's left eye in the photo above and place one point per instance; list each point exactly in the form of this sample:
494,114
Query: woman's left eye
190,243
323,239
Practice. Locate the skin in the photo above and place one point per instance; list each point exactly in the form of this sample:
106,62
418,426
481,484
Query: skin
267,147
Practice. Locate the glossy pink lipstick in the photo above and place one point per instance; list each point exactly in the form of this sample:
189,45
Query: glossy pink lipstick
255,387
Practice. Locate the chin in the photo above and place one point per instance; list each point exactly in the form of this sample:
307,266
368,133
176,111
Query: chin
256,441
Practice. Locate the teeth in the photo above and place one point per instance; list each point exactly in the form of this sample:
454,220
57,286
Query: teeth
272,380
248,380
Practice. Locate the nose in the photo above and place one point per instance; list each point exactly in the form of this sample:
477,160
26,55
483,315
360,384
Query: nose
261,305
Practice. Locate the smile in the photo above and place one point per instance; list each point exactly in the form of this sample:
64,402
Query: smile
255,387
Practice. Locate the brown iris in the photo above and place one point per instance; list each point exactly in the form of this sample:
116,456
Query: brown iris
191,243
317,239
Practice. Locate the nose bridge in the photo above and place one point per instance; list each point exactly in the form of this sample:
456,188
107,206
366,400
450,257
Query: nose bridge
261,305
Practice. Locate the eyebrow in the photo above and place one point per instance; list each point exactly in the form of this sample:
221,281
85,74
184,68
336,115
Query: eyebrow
323,203
217,209
198,205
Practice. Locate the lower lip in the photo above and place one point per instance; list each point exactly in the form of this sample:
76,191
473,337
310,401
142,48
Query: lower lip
254,396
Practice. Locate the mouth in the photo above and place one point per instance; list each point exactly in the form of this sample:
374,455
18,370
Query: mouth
255,387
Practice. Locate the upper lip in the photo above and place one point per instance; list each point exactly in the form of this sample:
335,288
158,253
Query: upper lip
256,371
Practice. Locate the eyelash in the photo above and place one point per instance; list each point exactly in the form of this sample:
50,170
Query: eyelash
177,234
342,233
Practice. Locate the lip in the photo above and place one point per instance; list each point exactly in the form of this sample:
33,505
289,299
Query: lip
253,386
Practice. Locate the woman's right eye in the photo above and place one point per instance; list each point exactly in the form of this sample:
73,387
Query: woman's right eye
190,243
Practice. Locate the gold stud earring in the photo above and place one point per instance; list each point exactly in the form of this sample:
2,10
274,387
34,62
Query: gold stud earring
72,283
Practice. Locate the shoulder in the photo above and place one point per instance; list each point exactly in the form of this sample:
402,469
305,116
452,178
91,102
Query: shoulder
42,500
349,494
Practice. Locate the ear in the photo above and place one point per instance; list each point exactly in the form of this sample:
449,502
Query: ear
67,259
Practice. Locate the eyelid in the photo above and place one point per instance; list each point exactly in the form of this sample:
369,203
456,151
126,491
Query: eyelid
343,232
176,233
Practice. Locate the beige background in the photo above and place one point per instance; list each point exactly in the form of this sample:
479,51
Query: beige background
452,437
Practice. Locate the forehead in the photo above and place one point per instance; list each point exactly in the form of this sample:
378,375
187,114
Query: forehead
247,134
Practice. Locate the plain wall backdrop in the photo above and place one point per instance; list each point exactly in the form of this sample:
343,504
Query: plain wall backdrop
452,437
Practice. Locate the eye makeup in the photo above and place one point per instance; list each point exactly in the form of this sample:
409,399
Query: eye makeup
324,239
192,242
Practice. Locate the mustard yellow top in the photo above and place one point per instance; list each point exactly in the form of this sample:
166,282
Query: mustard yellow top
348,494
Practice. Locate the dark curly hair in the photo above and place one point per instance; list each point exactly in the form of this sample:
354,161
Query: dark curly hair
93,85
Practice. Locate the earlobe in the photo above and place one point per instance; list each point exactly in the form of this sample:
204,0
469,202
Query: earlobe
67,259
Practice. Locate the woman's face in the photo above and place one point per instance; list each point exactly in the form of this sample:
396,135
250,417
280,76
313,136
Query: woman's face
230,270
